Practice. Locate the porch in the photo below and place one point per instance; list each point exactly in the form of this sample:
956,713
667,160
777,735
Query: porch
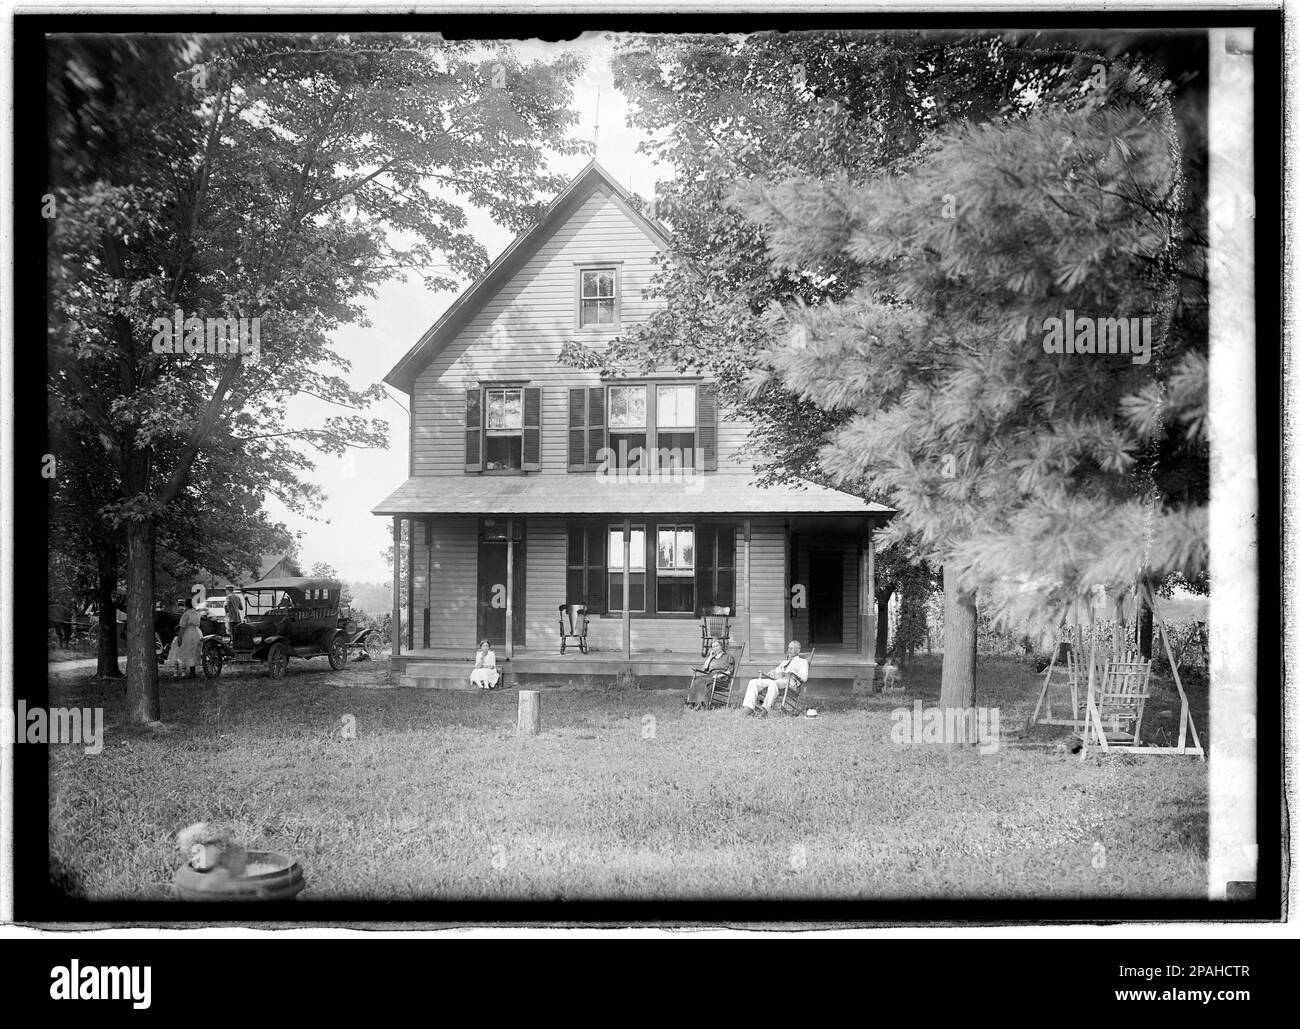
487,562
834,668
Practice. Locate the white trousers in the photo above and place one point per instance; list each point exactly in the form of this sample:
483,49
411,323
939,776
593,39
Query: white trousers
751,693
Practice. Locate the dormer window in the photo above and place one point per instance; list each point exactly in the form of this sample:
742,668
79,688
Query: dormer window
598,297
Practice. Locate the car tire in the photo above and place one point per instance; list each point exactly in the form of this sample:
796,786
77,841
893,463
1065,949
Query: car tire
277,660
374,647
212,661
338,653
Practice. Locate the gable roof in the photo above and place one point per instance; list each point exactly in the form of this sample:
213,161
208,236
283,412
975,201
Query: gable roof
499,272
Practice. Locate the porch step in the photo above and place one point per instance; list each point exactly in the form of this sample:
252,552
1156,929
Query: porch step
439,675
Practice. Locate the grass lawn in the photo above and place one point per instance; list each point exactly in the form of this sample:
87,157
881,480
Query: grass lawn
624,795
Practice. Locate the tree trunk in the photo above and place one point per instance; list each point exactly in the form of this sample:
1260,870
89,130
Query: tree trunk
106,662
882,624
1146,629
141,663
957,686
911,619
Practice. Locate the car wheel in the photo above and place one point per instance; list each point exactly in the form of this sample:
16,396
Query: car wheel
374,647
277,660
212,661
338,653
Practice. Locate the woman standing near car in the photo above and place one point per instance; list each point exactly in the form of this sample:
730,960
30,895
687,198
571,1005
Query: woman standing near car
189,637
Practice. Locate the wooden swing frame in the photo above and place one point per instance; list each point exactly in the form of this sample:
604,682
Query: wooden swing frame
1091,723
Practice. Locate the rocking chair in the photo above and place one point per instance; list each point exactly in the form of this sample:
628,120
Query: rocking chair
715,626
575,631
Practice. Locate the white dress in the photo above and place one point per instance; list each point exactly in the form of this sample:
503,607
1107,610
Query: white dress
485,675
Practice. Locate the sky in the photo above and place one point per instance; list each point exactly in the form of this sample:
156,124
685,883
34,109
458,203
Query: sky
342,532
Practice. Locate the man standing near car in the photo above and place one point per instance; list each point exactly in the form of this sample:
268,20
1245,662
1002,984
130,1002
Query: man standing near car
234,609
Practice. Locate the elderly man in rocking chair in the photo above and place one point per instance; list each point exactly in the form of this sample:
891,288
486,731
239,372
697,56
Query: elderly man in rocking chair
775,681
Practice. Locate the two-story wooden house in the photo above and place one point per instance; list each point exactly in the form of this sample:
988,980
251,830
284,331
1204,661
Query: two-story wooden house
533,484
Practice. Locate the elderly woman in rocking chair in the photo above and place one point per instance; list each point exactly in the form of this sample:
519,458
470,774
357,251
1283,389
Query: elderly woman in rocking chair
720,665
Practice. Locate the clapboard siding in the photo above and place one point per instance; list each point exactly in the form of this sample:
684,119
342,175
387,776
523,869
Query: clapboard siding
767,566
547,546
518,334
453,612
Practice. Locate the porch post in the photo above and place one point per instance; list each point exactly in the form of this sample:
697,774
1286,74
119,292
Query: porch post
510,588
397,586
863,603
749,595
428,575
787,622
410,578
627,588
869,604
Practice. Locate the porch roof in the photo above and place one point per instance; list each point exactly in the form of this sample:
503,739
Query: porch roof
704,493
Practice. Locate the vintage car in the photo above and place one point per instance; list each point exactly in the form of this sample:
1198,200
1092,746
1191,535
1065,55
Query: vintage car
283,618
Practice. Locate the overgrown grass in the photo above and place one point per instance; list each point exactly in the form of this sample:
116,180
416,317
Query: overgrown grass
624,795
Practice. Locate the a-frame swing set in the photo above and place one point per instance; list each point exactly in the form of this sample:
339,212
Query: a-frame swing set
1107,701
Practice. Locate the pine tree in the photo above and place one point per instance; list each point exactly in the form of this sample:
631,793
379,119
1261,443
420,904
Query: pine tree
1029,475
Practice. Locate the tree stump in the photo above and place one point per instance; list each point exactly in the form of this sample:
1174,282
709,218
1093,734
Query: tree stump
530,713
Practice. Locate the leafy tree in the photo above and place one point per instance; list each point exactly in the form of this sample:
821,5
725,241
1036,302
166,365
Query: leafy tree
267,176
1021,472
84,550
721,110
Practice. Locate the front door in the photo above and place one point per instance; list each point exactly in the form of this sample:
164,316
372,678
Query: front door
492,587
826,598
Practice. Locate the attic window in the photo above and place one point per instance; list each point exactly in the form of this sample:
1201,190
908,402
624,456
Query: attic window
598,297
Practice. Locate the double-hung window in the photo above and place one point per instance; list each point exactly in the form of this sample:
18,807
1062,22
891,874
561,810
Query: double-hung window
675,568
636,565
627,426
504,437
675,427
597,297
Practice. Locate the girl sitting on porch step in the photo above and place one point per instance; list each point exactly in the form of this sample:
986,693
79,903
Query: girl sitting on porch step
485,675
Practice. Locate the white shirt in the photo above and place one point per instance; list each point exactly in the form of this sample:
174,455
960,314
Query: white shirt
796,665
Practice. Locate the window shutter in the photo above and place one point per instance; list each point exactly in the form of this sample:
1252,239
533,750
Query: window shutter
578,429
595,426
473,430
651,568
575,585
725,594
706,417
705,563
597,574
532,429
